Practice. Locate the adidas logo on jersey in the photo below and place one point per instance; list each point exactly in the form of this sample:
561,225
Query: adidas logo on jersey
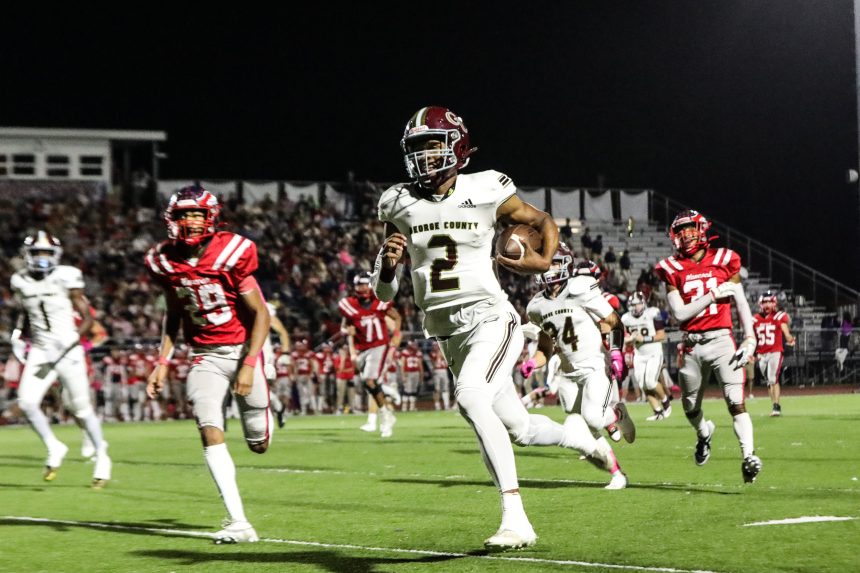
467,204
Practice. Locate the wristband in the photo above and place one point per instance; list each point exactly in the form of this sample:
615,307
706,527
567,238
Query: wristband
648,338
163,360
396,334
251,360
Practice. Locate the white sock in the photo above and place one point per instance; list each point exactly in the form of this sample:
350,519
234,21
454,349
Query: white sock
493,440
744,431
513,513
446,401
224,473
371,419
93,429
41,425
275,402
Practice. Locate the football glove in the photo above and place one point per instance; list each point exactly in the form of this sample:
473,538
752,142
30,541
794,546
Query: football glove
744,352
528,367
617,363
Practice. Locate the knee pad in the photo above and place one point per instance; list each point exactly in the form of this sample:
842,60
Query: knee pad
692,413
735,409
374,390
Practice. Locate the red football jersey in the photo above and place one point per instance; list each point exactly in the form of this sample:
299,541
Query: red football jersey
115,369
411,360
393,360
347,371
326,362
208,289
303,361
369,321
694,280
438,359
180,367
768,331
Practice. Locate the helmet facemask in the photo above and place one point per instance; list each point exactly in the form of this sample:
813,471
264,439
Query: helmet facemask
191,231
689,233
430,157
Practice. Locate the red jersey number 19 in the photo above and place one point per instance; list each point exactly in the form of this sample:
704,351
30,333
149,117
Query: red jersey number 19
206,304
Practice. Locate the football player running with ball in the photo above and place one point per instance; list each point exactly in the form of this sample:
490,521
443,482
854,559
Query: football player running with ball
446,220
210,291
50,294
700,283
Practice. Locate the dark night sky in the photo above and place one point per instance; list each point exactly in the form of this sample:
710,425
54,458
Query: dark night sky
744,110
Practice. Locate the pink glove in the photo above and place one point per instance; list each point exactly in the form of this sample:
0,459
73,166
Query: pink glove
528,367
617,365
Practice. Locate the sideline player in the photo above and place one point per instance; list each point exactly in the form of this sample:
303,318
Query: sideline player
570,312
49,294
447,220
700,282
770,326
412,366
365,326
646,332
209,289
441,381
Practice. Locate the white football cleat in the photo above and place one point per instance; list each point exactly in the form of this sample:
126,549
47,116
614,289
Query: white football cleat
236,532
618,481
56,453
506,538
368,427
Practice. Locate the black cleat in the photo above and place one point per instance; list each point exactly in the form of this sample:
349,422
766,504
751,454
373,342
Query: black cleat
750,468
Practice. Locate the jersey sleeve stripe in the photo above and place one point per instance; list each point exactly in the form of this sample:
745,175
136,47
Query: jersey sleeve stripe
665,267
164,263
718,256
150,260
676,264
237,254
347,308
234,242
727,257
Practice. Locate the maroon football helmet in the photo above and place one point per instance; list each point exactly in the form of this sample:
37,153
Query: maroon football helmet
637,303
689,232
427,165
561,267
191,198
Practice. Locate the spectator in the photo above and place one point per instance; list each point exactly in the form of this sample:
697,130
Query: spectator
585,240
845,330
597,247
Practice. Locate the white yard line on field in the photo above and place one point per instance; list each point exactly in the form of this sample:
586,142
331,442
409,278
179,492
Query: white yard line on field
804,519
348,546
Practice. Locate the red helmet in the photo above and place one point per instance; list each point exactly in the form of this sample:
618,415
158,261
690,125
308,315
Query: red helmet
361,285
191,198
429,166
687,244
561,267
637,303
767,302
587,268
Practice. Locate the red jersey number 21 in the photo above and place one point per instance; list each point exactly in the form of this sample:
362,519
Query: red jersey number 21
698,287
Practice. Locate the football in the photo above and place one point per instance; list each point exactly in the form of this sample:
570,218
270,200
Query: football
511,240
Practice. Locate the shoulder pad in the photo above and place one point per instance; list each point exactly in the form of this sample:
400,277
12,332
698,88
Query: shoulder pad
581,285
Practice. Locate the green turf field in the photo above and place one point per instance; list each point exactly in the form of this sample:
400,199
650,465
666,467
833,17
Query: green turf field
328,497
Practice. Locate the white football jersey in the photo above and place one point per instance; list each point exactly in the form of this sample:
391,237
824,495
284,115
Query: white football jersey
450,243
48,306
571,318
646,326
